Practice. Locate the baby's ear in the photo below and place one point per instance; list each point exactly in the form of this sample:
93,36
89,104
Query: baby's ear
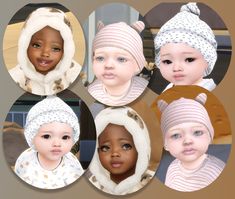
201,98
162,105
138,26
100,25
166,147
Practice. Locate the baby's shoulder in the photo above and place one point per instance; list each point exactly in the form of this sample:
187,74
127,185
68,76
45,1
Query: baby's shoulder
26,160
215,162
140,82
72,162
17,73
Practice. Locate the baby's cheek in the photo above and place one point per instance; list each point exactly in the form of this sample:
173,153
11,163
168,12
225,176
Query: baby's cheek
96,69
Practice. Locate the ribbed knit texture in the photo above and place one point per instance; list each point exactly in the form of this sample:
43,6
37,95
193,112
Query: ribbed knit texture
186,27
122,36
184,180
185,110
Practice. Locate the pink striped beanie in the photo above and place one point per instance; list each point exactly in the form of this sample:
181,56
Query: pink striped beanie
185,110
122,36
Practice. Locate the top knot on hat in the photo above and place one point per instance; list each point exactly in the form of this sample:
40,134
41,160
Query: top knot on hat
190,7
186,27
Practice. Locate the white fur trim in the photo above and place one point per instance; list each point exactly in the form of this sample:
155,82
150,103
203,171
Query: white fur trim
39,19
141,140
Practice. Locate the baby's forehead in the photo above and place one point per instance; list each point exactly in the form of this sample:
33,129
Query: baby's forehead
112,50
180,47
187,126
55,127
114,132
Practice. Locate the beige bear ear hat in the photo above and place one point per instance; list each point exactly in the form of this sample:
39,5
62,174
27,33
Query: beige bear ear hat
185,110
50,109
186,27
127,117
122,36
37,20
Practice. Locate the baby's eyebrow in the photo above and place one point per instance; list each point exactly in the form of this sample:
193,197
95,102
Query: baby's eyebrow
166,54
124,139
191,53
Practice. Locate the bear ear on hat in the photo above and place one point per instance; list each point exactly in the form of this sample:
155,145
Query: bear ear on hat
138,26
100,25
201,98
162,105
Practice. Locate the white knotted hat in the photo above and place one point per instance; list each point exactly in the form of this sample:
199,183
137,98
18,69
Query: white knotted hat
50,109
186,27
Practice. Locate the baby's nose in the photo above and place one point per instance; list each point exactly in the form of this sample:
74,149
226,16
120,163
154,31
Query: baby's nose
177,66
56,142
187,140
115,152
109,63
45,52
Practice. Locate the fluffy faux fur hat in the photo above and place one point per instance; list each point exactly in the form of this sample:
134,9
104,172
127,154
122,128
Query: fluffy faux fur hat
133,123
50,109
185,110
186,27
36,21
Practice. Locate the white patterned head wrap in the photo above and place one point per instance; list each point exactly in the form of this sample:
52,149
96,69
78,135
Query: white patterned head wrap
186,27
50,109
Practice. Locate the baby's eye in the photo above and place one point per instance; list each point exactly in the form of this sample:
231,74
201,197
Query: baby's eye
36,45
66,137
166,61
198,133
175,136
56,49
126,147
122,59
190,59
104,148
46,136
99,58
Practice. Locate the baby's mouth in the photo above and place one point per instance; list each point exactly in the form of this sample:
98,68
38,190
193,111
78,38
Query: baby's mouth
43,62
189,151
178,77
108,76
56,151
116,164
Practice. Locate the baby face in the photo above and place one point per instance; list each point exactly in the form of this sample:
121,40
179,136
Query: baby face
117,152
188,142
45,49
181,64
114,67
52,142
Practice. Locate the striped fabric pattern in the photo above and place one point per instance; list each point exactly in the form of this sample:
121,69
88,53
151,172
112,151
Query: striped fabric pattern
137,87
122,36
185,110
184,180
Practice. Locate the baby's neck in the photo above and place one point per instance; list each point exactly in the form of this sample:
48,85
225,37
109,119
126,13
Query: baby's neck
118,91
117,178
48,164
195,164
